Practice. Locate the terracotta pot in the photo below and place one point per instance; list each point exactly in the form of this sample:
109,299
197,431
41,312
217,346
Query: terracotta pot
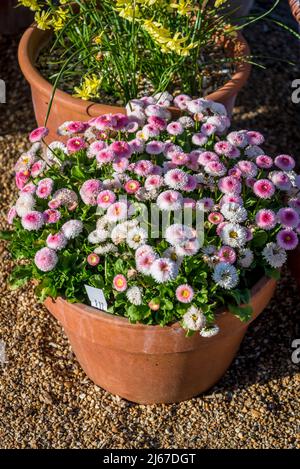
13,20
295,8
153,364
64,107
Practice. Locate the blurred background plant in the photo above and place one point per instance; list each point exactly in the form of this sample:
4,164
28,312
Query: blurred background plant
123,47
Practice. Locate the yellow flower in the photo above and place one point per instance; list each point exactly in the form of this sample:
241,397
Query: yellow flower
43,19
163,37
183,7
98,39
219,3
32,4
89,87
59,20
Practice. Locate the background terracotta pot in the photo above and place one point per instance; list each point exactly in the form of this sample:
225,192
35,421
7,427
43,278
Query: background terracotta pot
153,364
13,20
64,107
295,8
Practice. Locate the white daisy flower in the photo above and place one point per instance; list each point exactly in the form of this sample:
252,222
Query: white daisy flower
274,255
173,255
234,212
234,235
186,122
134,295
105,249
246,257
24,204
136,237
253,150
193,319
225,275
52,149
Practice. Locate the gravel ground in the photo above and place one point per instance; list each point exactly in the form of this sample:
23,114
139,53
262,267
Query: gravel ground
46,401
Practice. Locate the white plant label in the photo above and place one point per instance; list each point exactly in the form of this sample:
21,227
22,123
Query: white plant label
96,297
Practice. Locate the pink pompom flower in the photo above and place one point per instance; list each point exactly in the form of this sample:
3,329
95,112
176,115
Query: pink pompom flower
285,162
215,218
264,161
120,164
117,211
22,178
38,134
143,167
263,188
155,181
89,191
106,198
227,254
32,221
223,148
56,241
44,188
230,185
199,139
51,215
12,213
37,168
154,147
104,156
46,259
120,283
29,188
121,149
281,181
175,128
170,200
206,157
184,293
132,186
266,219
157,122
76,144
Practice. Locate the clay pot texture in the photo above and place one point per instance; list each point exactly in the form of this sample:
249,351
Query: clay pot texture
153,364
295,8
65,107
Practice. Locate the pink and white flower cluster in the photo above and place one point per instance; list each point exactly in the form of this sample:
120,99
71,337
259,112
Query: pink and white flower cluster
170,161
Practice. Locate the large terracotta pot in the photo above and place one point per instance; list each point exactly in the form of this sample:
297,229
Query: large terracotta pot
64,107
153,364
295,8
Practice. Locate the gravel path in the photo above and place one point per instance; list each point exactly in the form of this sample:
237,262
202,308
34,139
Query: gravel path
46,401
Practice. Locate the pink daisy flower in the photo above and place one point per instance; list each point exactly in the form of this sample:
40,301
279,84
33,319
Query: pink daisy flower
145,261
191,184
121,149
285,162
288,217
157,122
181,101
236,172
72,228
154,147
46,259
120,121
170,200
230,185
264,189
220,227
44,188
120,283
188,248
12,213
76,144
120,164
38,134
184,293
29,188
175,128
250,182
93,259
206,157
227,254
32,221
176,179
104,156
155,181
255,138
264,162
247,168
266,219
163,270
105,198
89,191
231,198
207,203
137,145
149,131
51,215
22,178
215,168
238,139
223,148
117,211
132,186
104,122
199,139
37,168
180,158
143,167
287,239
281,181
208,129
215,218
295,204
56,241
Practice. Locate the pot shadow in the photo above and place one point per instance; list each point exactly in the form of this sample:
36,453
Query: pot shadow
266,352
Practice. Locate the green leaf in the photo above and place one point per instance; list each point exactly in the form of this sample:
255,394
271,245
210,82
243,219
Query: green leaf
244,313
260,238
96,281
77,173
273,273
7,235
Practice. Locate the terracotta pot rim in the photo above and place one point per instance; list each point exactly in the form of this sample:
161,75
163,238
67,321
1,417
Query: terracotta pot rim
295,8
27,55
123,322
